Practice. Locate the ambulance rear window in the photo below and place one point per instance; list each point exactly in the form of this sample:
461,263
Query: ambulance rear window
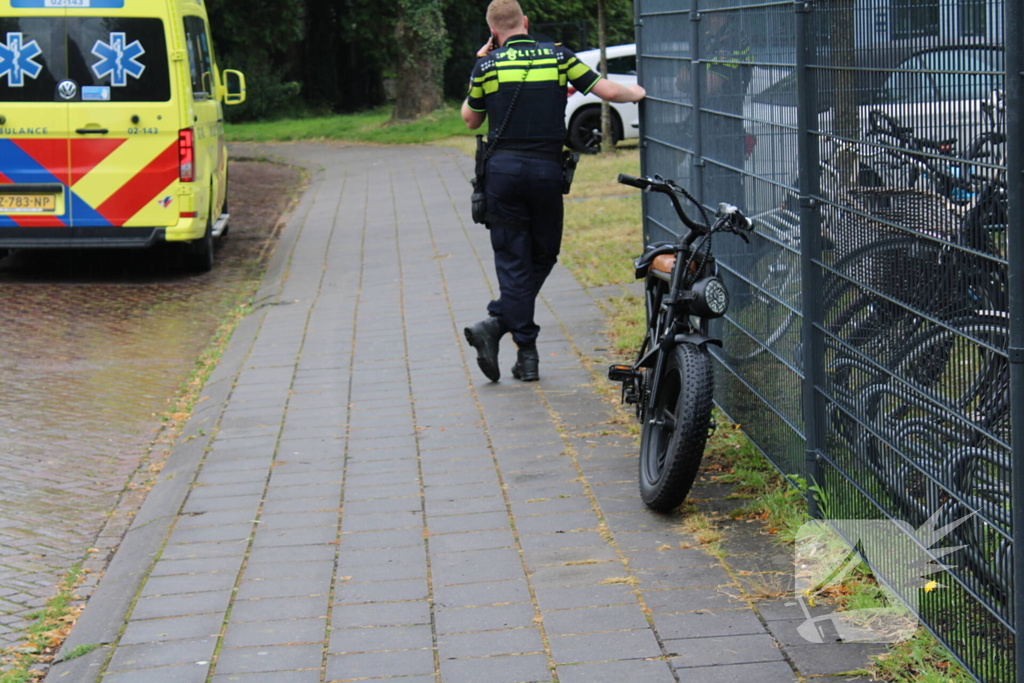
32,58
107,59
124,59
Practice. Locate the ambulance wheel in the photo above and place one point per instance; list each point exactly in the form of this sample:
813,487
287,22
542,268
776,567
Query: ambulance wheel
199,253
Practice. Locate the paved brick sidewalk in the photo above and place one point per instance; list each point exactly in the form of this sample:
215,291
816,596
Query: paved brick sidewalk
370,507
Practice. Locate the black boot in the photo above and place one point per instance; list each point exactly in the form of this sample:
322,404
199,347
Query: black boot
527,364
484,336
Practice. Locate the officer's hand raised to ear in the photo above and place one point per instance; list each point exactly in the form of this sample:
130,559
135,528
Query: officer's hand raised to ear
486,49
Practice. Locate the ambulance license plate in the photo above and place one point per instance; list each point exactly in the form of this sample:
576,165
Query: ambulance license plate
27,203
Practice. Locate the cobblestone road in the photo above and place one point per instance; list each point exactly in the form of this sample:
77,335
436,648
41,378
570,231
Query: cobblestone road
92,347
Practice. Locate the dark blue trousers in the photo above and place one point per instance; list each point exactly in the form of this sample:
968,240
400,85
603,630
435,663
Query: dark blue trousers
524,207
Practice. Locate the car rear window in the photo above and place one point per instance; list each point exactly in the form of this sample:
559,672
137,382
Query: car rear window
108,59
622,65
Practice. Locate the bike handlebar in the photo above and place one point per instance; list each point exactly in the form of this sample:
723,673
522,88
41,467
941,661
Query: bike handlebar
726,211
641,183
880,122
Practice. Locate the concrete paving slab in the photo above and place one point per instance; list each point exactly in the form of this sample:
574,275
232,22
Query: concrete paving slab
409,519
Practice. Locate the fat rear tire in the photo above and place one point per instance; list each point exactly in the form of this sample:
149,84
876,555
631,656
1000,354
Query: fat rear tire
670,455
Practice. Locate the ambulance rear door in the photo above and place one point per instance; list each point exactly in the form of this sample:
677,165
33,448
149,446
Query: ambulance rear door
34,170
124,120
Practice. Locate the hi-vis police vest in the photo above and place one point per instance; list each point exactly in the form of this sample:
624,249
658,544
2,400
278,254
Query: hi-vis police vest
538,122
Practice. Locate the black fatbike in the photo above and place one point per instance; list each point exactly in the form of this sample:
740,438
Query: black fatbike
672,382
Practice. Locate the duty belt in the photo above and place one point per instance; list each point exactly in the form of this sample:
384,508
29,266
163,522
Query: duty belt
549,156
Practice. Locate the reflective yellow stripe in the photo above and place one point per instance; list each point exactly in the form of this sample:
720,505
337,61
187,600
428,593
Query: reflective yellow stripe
491,87
476,92
577,70
587,91
519,63
534,75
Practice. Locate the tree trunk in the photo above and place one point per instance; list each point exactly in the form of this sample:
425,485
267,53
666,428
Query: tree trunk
607,136
422,45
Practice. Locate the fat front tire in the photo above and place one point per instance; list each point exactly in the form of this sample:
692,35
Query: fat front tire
675,428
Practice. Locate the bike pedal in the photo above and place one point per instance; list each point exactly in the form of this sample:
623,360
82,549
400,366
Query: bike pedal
712,428
621,373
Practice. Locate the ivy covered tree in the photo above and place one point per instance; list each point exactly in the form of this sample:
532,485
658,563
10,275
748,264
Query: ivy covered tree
422,45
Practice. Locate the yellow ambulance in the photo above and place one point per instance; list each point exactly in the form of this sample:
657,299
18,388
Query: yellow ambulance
112,126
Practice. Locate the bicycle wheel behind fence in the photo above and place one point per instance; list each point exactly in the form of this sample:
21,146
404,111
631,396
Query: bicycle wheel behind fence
675,428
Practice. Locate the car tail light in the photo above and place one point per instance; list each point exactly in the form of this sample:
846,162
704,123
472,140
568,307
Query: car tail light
186,156
570,91
750,142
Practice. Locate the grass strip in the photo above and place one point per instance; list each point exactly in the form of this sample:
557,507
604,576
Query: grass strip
370,126
46,634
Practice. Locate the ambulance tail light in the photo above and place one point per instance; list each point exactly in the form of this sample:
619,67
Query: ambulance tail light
570,91
186,156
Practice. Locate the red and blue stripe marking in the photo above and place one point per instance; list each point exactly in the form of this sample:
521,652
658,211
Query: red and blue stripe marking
45,161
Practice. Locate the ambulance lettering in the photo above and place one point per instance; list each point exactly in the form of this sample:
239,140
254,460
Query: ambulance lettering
17,60
118,60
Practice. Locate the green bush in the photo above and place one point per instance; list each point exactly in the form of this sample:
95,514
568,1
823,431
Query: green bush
268,94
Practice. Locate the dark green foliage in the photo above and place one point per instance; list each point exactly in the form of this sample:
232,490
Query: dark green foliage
270,96
334,55
259,38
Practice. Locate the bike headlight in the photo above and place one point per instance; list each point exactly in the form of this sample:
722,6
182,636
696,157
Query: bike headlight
710,298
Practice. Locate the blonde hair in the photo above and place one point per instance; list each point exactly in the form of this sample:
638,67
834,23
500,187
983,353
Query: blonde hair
504,15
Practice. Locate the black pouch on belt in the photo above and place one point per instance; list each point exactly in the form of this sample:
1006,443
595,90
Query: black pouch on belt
569,161
478,200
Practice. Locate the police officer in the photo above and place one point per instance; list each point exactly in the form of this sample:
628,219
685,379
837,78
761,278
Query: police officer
523,182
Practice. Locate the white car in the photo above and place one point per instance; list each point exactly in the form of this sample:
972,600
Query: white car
583,112
932,87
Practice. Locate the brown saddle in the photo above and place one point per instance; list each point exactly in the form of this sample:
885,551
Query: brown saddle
664,263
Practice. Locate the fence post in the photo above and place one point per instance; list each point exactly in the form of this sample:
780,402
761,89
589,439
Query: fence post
810,248
638,26
1015,233
696,77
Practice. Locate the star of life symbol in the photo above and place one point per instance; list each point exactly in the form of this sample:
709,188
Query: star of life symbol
17,60
118,59
902,555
